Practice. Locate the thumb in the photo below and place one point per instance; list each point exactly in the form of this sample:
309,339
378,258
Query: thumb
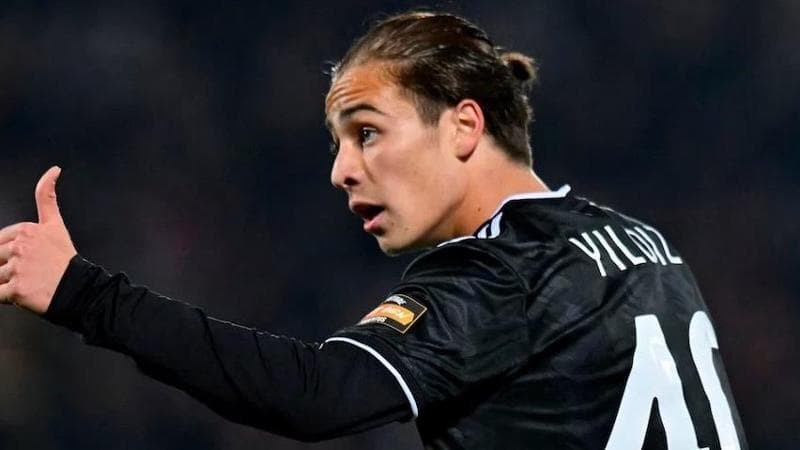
46,204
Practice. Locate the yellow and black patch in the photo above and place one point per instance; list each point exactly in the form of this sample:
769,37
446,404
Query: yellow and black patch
398,311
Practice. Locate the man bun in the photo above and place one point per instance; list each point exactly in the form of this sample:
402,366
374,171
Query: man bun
523,68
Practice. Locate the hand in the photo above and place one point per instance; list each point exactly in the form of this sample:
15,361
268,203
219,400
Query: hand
34,256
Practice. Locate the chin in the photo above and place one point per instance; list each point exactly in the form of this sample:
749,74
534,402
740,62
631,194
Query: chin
390,249
395,248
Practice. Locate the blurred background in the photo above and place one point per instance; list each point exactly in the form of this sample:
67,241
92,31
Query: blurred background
195,159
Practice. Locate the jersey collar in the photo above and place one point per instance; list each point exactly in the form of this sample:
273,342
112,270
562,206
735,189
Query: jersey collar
560,193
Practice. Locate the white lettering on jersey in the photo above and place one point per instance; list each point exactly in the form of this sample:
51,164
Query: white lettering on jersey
641,240
594,253
701,340
654,376
634,259
672,258
609,250
648,248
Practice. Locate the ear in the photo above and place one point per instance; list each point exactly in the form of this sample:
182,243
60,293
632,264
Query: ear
469,127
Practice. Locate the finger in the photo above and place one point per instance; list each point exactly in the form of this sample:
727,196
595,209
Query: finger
6,272
10,232
46,203
7,293
6,250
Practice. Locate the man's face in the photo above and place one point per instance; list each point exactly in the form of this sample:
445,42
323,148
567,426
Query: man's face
400,174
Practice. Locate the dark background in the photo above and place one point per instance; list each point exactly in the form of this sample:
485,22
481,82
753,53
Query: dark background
195,159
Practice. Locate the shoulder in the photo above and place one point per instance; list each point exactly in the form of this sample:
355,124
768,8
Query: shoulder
520,239
463,259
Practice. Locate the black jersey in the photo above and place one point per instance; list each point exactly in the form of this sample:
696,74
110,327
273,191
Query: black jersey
558,324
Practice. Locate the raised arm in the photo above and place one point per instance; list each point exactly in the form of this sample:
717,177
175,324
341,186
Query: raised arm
299,390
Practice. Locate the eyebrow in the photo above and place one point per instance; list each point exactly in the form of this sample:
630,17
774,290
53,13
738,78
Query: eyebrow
348,112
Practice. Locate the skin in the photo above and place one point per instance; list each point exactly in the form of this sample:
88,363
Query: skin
34,256
432,182
435,182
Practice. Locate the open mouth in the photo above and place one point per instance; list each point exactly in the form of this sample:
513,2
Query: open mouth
369,214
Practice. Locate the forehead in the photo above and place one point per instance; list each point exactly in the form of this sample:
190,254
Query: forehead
364,85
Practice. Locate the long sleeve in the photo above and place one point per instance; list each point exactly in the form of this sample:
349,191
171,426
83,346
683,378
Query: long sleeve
296,389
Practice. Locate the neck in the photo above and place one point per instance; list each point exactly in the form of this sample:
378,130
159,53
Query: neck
489,185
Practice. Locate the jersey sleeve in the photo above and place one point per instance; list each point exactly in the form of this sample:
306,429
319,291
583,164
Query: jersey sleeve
282,385
455,322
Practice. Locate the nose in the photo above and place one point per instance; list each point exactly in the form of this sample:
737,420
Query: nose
347,170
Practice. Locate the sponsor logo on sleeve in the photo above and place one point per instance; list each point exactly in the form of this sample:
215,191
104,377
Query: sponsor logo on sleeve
399,312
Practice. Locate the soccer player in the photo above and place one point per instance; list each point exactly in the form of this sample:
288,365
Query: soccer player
534,318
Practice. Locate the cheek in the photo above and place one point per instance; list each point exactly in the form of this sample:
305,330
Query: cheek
415,185
403,170
420,198
412,177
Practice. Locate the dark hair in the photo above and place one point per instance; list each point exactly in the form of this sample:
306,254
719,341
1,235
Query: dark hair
441,59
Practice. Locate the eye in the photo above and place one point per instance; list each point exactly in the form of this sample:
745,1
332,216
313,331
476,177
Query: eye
366,135
334,148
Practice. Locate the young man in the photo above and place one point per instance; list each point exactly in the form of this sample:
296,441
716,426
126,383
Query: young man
534,319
